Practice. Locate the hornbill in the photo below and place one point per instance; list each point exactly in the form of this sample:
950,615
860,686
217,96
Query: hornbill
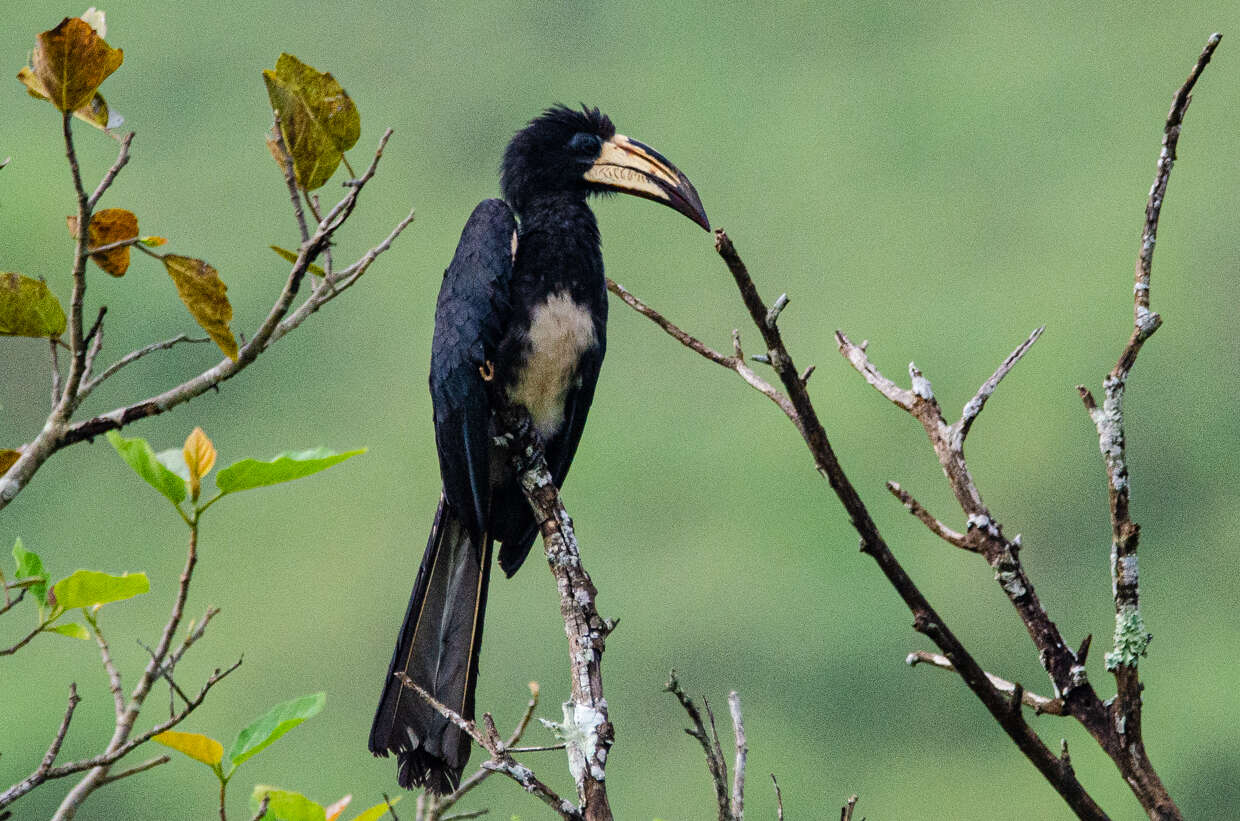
523,304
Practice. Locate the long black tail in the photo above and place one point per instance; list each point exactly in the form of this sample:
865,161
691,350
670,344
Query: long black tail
438,649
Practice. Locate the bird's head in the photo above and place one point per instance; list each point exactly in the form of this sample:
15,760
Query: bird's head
576,153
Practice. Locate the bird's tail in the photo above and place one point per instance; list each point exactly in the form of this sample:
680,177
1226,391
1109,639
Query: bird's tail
438,649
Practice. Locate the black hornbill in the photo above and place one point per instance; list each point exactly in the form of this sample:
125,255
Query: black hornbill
524,306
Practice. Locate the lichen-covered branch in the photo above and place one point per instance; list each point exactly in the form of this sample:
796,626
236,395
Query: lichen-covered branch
587,729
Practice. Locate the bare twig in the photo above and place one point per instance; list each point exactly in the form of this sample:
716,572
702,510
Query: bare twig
734,363
925,517
846,812
122,158
262,807
10,603
742,753
1040,704
431,807
975,405
779,799
134,356
141,768
501,761
715,764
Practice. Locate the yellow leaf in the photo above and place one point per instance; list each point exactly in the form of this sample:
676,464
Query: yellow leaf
377,811
317,119
71,61
200,288
199,458
153,242
317,270
28,307
106,227
333,811
8,458
195,745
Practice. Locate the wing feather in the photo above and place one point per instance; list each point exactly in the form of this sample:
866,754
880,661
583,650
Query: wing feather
470,317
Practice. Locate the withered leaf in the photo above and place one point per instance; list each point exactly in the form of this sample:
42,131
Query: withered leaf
95,112
317,119
106,227
200,288
28,307
71,61
8,458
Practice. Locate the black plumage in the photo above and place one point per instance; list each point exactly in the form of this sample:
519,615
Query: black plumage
523,308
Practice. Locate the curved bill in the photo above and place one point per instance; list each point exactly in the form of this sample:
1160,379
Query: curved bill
636,168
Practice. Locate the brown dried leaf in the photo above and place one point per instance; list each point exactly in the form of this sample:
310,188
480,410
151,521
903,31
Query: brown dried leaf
106,227
200,288
95,112
8,458
71,61
199,458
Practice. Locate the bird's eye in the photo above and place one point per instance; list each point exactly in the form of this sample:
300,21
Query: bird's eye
585,144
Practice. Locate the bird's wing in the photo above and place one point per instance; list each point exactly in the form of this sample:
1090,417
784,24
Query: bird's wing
563,446
471,314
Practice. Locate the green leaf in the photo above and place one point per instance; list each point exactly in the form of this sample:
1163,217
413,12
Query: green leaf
376,812
28,307
73,630
291,256
317,119
174,460
139,456
250,473
195,745
204,293
285,805
278,721
29,566
86,588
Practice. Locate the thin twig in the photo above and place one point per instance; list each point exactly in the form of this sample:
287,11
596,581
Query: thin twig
134,356
936,527
141,768
501,761
1040,704
714,756
55,374
779,799
122,158
846,812
975,405
742,753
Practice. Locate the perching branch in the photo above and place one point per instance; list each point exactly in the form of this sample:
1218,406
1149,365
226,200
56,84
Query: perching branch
587,730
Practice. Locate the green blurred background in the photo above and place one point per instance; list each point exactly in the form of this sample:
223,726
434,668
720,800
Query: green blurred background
937,178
